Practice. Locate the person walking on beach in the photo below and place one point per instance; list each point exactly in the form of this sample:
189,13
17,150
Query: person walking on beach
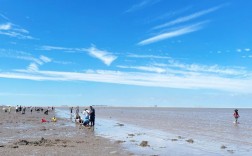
92,116
236,115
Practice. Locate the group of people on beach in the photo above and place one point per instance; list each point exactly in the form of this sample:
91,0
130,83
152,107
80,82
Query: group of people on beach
87,118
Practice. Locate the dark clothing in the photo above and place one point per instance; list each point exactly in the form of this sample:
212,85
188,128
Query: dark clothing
46,112
92,117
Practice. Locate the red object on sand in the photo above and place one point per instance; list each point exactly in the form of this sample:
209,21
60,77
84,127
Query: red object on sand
43,120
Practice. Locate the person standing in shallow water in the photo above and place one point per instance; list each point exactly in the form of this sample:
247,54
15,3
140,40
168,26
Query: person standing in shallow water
92,116
236,115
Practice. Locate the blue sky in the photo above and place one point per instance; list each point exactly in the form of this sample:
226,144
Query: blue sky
126,53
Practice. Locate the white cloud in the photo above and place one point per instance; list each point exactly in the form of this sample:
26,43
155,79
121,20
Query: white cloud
145,68
32,67
6,26
63,62
247,49
148,56
105,56
19,55
4,17
29,58
48,48
187,18
238,50
170,34
141,5
45,59
12,30
208,69
186,81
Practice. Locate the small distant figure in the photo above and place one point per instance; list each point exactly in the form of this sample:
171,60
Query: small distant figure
92,116
23,110
17,108
71,110
31,109
46,112
77,110
43,120
9,109
54,119
236,115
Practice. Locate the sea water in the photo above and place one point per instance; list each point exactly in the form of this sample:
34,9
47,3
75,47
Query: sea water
168,129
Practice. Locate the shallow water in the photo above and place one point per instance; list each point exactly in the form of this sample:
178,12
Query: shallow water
209,128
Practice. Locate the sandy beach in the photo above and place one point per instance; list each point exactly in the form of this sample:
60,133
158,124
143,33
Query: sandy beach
24,134
127,131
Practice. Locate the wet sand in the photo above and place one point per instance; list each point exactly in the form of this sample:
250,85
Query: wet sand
178,131
24,134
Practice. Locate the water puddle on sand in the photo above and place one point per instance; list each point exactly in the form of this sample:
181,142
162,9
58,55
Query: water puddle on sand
159,142
143,141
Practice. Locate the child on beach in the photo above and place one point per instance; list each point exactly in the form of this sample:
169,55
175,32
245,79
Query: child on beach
78,119
54,119
43,120
236,115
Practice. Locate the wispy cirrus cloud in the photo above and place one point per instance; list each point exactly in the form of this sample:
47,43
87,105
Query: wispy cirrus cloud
35,61
180,30
141,5
32,67
15,31
173,13
19,55
45,59
188,17
103,55
174,33
213,69
148,56
145,68
49,48
182,81
5,26
4,17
